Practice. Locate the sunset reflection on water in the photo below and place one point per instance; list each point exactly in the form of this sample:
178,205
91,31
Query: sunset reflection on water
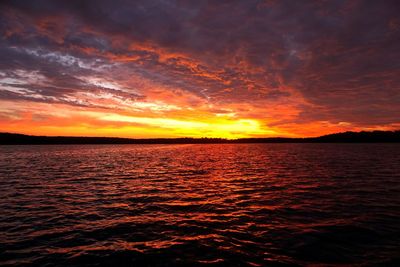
229,204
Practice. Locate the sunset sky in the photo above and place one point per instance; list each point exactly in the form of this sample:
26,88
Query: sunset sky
199,68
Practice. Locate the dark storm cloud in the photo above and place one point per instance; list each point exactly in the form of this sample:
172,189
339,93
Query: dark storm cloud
342,57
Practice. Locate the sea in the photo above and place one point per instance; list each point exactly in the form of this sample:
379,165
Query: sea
200,205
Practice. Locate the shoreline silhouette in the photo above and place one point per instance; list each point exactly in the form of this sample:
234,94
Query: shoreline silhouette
344,137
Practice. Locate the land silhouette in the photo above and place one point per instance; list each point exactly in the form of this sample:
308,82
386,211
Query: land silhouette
344,137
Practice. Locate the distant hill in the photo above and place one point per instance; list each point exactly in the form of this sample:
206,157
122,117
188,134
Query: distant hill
359,137
346,137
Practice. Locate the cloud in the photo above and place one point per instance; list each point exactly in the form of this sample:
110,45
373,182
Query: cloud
289,62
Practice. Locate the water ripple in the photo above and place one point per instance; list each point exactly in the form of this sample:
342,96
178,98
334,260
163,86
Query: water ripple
200,205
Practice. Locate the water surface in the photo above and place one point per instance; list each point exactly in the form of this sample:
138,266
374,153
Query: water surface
200,205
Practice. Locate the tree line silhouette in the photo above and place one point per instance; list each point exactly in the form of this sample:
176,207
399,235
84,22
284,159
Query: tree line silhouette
345,137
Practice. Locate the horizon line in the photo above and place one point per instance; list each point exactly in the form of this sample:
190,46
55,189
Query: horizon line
203,137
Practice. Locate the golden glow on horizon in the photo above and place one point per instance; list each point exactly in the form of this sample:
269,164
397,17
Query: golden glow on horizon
217,128
57,119
64,120
48,119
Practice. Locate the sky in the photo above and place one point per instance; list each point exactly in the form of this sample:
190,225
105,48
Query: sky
231,69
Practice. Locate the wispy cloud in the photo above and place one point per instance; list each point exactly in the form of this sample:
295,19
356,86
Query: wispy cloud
310,65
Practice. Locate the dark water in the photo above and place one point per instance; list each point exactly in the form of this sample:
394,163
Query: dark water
195,205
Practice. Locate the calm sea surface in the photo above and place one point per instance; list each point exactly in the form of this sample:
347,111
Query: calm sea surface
200,205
